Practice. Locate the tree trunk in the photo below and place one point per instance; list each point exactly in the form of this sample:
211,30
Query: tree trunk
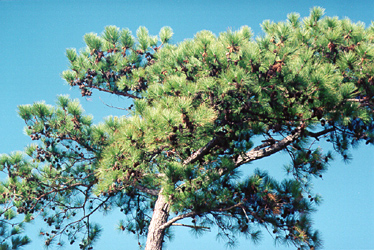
160,216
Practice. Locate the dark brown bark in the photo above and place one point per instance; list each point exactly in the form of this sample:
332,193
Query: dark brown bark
201,152
160,216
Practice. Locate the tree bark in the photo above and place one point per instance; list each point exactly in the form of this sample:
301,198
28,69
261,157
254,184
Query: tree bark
259,152
160,216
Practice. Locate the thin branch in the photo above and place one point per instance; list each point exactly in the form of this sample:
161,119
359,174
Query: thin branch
323,132
84,217
110,106
190,214
364,102
177,218
245,213
116,92
356,100
191,226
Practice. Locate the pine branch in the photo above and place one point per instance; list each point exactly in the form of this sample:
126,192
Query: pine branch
191,226
259,151
364,102
263,151
201,152
110,106
177,218
153,192
357,100
82,218
55,190
323,132
191,214
116,92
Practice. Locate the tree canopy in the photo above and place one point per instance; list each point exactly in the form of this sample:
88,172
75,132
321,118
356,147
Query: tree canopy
201,109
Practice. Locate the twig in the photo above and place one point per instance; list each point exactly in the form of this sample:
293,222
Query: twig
245,213
116,92
110,106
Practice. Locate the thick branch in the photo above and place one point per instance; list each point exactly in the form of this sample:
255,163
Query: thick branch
201,152
263,151
153,192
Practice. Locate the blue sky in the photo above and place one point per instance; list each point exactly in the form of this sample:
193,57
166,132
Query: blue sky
35,34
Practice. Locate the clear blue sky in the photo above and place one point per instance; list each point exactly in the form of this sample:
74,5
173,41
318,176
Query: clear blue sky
34,36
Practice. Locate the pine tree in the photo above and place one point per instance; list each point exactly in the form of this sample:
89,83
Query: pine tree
201,109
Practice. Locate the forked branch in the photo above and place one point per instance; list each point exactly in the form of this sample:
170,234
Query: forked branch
191,214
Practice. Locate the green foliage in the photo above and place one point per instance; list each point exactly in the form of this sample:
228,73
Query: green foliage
11,234
111,34
71,54
201,109
143,38
127,40
93,41
165,34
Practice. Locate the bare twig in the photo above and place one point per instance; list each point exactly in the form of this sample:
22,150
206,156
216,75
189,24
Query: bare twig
110,106
245,213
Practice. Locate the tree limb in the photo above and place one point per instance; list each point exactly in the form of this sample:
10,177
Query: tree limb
116,92
153,192
177,218
320,133
263,151
201,152
190,214
191,226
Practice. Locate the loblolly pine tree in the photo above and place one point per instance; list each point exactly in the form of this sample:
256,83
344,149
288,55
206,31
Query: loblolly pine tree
201,109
